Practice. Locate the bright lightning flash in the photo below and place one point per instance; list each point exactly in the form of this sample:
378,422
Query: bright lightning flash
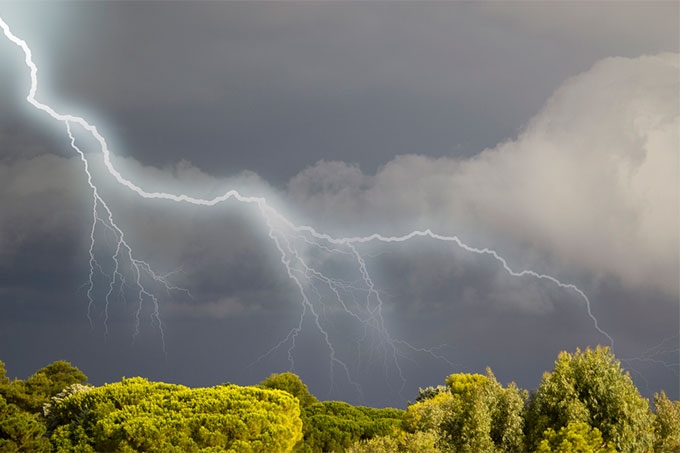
296,245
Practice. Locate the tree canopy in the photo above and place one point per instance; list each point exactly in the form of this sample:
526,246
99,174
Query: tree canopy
587,403
591,387
138,415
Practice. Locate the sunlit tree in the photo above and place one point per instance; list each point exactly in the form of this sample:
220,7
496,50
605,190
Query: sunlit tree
575,437
666,424
592,388
138,415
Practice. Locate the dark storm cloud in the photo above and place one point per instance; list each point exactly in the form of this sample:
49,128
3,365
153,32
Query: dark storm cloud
317,100
273,87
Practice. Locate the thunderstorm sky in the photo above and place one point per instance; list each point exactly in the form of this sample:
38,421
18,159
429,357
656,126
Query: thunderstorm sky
546,131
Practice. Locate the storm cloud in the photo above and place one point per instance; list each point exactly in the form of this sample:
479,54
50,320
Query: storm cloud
548,132
592,179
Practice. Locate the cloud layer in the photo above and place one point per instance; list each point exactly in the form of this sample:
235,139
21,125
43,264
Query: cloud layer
592,180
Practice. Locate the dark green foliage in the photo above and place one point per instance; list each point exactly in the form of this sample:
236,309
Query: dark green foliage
4,380
31,394
591,387
335,425
291,383
20,430
138,415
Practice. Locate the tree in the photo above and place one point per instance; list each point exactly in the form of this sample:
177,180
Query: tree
336,425
591,387
575,437
291,383
4,380
472,413
20,430
666,424
401,441
31,394
138,415
429,414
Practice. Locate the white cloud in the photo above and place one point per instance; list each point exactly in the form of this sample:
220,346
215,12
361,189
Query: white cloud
592,180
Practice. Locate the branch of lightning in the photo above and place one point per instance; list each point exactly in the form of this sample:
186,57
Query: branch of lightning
283,233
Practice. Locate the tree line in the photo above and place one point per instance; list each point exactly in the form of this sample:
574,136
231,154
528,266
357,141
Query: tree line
587,403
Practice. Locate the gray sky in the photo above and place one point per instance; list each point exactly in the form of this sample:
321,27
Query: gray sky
546,131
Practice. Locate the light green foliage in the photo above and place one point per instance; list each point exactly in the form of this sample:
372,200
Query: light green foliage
20,430
54,412
482,416
467,425
472,413
335,425
429,414
402,442
291,383
575,437
666,424
507,423
591,387
380,444
31,394
138,415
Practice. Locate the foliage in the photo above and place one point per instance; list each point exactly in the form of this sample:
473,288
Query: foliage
335,425
54,412
472,413
429,414
4,380
591,387
430,392
20,430
484,416
586,404
291,383
138,415
666,424
401,441
31,394
575,437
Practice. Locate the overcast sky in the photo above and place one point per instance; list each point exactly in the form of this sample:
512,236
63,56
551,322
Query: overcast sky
545,131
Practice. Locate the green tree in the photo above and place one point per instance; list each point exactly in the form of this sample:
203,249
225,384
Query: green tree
30,395
291,383
138,415
472,413
666,424
399,441
429,414
575,437
19,430
484,416
591,387
336,425
4,380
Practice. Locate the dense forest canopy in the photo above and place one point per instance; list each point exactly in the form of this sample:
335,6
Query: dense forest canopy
587,403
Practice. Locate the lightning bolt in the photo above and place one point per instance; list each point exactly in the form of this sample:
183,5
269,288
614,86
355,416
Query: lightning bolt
296,244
